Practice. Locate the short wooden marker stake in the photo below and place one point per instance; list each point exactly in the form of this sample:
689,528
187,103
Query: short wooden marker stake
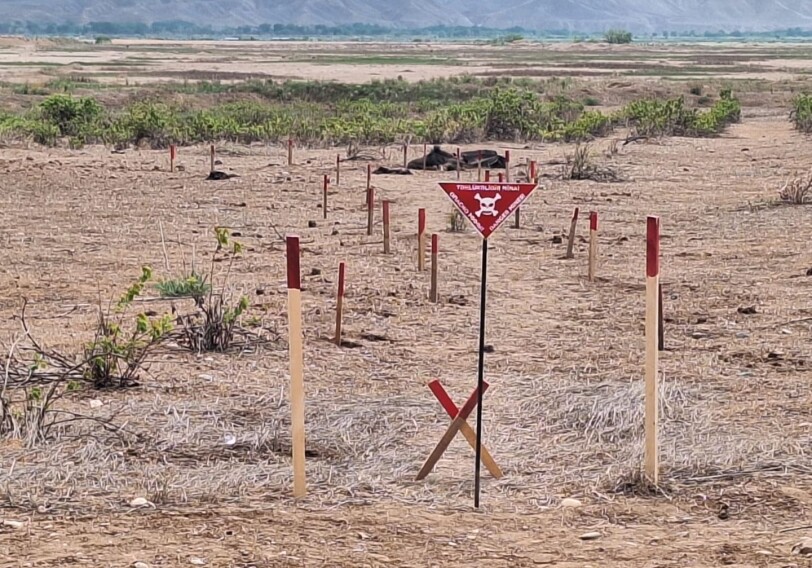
433,295
339,303
425,155
501,177
213,157
531,174
479,165
593,244
652,467
660,322
338,170
290,152
324,194
405,155
369,182
507,166
370,210
386,233
459,164
296,351
487,176
571,238
421,245
173,153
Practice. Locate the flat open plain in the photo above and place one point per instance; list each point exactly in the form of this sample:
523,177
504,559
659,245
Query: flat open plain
564,413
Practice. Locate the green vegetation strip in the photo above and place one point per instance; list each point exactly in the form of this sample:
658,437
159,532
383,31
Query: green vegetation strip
376,113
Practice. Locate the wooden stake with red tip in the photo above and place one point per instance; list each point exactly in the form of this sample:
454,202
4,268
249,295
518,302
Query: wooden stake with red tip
507,166
459,164
369,176
433,294
386,233
212,157
370,210
290,152
173,153
405,154
571,238
339,303
425,155
487,176
532,173
652,466
296,351
501,177
338,170
593,244
324,194
421,245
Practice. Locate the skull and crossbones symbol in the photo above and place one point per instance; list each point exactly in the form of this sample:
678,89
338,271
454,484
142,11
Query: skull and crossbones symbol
487,205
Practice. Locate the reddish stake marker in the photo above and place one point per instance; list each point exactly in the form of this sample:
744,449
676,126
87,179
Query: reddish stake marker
421,246
324,202
173,152
571,239
369,176
487,176
479,165
425,155
370,209
532,173
338,169
386,233
593,244
507,166
501,178
459,164
339,303
213,154
296,350
433,296
290,152
405,155
652,352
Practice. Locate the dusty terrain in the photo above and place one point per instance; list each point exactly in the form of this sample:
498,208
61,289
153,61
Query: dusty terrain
563,416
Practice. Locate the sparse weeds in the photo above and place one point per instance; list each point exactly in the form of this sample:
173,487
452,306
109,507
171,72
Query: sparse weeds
456,222
214,324
797,190
801,115
191,286
580,166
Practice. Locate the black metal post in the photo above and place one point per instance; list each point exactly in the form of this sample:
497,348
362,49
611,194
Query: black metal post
480,369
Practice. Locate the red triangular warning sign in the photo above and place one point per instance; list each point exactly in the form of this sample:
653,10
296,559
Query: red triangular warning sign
487,205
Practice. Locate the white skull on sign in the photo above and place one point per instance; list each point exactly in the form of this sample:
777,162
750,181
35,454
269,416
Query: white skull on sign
487,205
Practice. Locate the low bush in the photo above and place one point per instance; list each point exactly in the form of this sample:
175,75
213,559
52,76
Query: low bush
502,113
801,115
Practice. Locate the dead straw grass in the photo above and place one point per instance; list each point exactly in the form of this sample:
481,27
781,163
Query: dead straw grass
564,412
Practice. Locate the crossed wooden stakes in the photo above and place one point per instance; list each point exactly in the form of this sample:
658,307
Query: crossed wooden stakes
459,423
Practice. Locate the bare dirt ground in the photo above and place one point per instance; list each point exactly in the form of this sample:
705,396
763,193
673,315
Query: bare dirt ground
564,413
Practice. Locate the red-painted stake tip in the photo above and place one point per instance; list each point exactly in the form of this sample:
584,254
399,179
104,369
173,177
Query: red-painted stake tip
575,214
294,274
435,243
421,221
593,221
653,247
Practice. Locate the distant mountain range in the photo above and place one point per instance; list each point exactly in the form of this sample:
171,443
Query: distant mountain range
575,15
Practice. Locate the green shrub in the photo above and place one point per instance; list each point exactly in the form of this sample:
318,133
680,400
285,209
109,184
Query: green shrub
801,115
618,37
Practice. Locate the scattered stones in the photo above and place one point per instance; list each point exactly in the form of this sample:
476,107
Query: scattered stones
16,525
140,502
590,536
748,311
570,503
195,561
140,565
804,548
311,224
557,239
95,403
699,335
